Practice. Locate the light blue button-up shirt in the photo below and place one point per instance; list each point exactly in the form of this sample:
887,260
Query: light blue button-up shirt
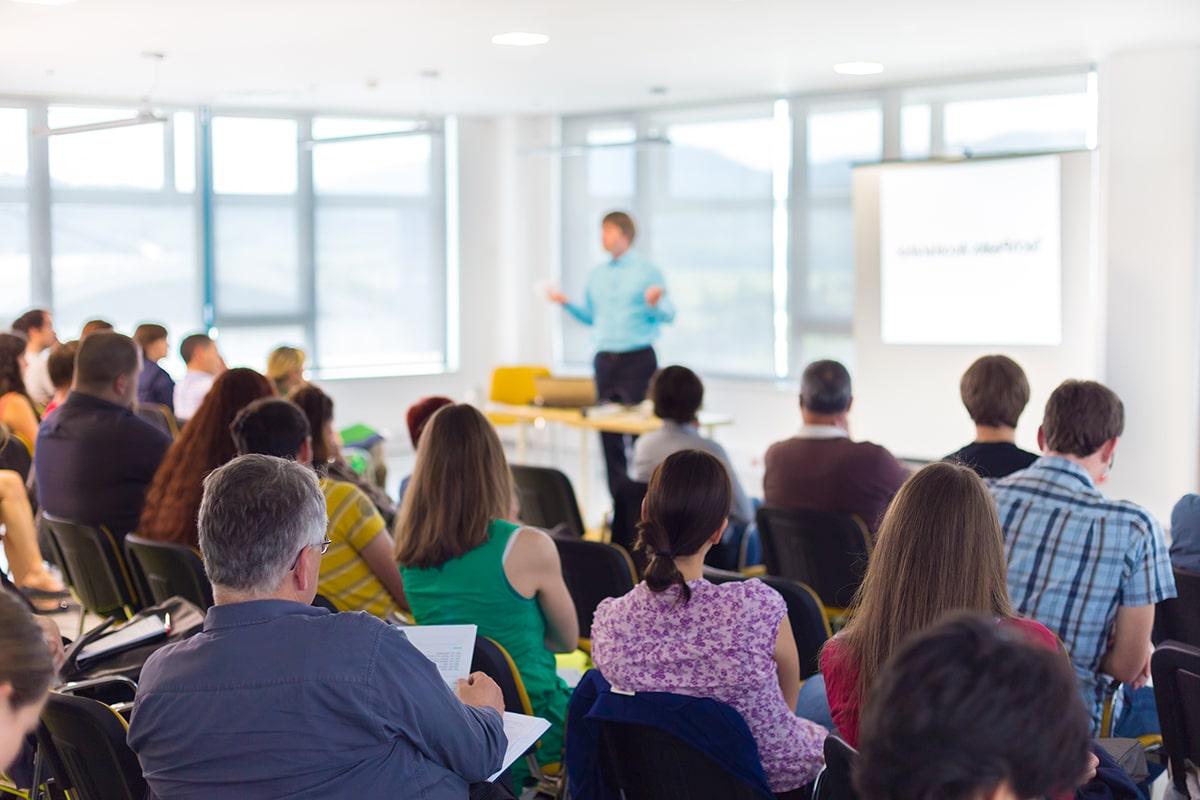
614,304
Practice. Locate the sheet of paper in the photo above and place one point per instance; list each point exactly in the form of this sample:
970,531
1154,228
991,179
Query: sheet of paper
449,647
522,731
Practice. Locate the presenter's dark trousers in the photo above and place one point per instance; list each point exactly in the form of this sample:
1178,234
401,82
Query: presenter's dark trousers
622,378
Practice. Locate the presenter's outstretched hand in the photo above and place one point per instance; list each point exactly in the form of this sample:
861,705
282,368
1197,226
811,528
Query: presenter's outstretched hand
653,295
480,691
555,296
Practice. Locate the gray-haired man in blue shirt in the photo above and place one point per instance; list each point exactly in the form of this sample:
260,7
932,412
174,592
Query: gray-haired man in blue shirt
275,698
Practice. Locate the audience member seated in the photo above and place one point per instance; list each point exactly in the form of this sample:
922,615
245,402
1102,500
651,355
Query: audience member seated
464,563
326,450
1089,568
995,391
21,548
285,369
37,326
61,366
17,411
678,394
203,445
358,572
822,468
27,672
968,710
419,414
155,386
1185,533
204,364
276,698
676,632
95,326
95,457
938,550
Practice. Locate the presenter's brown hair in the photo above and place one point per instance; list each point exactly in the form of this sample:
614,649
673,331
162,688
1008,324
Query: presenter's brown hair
623,221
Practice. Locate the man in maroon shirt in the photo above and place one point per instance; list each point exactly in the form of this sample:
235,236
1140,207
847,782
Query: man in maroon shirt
821,468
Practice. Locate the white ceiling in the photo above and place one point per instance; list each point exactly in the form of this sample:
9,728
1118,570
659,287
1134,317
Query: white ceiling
322,54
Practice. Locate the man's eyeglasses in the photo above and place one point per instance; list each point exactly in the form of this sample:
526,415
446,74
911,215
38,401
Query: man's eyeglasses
323,544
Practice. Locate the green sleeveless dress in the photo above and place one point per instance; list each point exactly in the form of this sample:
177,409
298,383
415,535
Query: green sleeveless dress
473,589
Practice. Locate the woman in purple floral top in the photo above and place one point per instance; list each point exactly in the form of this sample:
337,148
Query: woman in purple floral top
676,632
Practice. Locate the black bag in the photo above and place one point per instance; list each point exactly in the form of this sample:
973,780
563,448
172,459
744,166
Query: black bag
186,620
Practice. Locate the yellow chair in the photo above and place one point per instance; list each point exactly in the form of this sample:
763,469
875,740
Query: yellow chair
513,385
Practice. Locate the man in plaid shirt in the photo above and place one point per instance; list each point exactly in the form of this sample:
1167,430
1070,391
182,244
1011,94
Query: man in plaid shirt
1089,568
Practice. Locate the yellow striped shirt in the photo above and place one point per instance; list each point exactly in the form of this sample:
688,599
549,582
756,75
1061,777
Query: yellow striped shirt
346,580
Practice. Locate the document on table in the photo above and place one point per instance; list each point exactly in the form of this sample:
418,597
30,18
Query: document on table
522,731
449,647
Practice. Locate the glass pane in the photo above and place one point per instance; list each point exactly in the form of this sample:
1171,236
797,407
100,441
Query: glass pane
128,264
915,129
581,253
254,156
727,159
119,157
829,277
718,271
14,147
838,139
816,346
249,346
257,265
380,288
611,171
1018,124
398,166
14,262
185,151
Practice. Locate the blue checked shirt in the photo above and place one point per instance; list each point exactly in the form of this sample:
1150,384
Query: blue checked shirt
1074,557
614,305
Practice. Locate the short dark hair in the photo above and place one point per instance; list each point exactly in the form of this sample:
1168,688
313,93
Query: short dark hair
61,364
148,333
34,318
623,221
95,326
190,344
677,394
1081,416
103,357
825,388
966,705
270,426
995,391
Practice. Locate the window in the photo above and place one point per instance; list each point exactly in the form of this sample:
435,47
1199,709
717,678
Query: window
15,289
118,158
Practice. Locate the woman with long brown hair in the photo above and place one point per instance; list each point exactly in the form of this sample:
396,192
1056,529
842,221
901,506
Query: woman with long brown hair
173,499
939,549
464,562
16,406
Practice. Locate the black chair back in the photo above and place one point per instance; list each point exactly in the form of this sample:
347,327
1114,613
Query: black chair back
627,511
321,601
594,571
14,454
159,416
164,570
645,763
834,781
825,551
1175,668
494,661
94,566
547,498
810,624
1178,618
90,756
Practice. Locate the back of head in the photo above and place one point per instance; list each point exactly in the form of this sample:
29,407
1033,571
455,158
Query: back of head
26,666
687,501
677,394
966,707
61,364
1081,416
623,221
12,348
825,388
33,319
148,333
460,483
258,512
191,346
318,408
939,549
285,362
95,326
419,414
995,391
271,426
102,358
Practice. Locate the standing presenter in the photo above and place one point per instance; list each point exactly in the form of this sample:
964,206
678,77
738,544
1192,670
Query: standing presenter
625,302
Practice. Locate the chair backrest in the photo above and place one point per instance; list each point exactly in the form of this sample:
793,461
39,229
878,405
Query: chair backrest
514,386
164,570
810,623
594,571
627,512
95,567
159,416
321,601
825,551
547,498
90,756
834,781
1175,668
14,454
1178,618
493,660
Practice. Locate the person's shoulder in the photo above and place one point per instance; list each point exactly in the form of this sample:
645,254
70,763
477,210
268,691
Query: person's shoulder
614,608
756,592
783,447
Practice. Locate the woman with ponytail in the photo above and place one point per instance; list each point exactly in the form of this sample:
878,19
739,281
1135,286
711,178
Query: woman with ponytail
676,632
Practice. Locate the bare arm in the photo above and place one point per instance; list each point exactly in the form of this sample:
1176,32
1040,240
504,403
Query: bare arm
378,555
1128,655
787,662
534,570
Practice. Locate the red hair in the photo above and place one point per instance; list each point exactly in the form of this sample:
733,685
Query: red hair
173,499
420,412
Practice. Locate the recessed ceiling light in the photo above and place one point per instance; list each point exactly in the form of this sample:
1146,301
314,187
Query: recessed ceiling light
45,2
858,68
520,39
